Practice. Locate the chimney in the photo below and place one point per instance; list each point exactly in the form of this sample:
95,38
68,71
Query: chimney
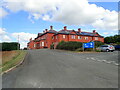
30,39
65,27
79,30
46,30
94,31
51,27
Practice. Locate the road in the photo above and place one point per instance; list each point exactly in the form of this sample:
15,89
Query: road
61,69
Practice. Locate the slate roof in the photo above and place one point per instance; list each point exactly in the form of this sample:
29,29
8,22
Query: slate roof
69,32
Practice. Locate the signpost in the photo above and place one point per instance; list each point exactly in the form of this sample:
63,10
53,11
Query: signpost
88,45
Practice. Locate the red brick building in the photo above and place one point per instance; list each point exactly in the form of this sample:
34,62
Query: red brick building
48,37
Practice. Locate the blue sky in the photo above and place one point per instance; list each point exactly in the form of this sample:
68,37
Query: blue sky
15,22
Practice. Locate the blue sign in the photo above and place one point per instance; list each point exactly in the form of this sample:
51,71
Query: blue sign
88,45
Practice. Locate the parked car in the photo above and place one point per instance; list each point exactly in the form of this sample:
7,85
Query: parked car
117,47
107,48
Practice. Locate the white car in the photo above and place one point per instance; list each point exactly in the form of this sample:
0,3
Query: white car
107,48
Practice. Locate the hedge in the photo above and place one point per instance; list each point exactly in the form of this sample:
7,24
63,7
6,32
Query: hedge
8,46
71,45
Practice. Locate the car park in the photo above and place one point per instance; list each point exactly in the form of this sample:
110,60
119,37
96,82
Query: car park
107,48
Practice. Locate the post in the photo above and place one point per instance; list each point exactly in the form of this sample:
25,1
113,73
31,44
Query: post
18,42
94,46
83,46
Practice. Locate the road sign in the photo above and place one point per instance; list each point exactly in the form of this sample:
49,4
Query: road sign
88,45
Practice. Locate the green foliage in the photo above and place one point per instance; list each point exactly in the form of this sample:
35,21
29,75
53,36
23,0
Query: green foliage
6,46
52,46
98,50
118,43
88,49
79,49
71,45
98,43
112,39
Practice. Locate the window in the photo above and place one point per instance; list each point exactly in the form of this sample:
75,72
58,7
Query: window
34,45
73,36
96,38
56,37
63,36
79,37
42,43
52,38
86,38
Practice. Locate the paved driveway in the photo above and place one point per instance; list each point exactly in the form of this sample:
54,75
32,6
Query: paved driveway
60,69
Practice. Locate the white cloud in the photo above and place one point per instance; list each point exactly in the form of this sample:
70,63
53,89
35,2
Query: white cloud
4,35
3,13
23,38
10,37
73,12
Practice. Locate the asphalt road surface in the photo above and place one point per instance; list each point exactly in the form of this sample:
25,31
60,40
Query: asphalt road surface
61,69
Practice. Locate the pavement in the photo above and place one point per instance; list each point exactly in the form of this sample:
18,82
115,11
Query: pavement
46,68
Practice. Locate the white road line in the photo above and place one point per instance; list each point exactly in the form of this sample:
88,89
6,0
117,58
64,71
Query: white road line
93,58
104,60
115,63
99,60
108,62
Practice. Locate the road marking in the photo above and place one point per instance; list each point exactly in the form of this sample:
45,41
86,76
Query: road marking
93,58
116,63
108,62
104,60
99,60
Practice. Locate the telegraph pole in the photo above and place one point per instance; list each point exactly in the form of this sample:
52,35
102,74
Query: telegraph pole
18,42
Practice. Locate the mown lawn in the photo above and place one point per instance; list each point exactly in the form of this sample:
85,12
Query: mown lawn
11,58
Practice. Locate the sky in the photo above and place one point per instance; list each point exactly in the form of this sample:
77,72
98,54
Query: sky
27,18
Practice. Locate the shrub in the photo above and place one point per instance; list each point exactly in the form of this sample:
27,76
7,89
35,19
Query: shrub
98,43
88,49
79,49
52,46
71,45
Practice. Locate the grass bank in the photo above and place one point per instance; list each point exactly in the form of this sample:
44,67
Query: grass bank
11,59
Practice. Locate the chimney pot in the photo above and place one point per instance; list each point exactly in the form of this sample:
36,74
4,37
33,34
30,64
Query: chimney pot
51,27
94,31
30,39
46,30
65,27
79,29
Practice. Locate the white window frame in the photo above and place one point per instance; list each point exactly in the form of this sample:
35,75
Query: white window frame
73,36
42,43
64,36
96,38
56,37
86,38
79,37
34,45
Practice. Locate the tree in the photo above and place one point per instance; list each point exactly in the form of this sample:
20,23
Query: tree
112,39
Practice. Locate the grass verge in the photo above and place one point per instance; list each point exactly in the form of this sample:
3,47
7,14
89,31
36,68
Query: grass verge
14,61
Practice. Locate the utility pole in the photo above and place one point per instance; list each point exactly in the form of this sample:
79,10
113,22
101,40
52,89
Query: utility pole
18,42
